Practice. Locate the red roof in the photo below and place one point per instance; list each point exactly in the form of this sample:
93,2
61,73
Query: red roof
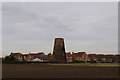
68,54
25,54
15,54
91,54
40,53
34,54
78,54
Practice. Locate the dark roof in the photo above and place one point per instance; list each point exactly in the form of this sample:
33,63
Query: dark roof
36,53
41,53
68,54
25,54
117,55
91,54
81,52
100,55
33,54
15,54
44,58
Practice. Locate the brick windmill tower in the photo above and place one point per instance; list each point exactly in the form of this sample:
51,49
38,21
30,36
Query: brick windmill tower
59,54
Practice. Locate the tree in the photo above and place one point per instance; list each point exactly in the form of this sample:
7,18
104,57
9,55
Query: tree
114,60
12,58
9,59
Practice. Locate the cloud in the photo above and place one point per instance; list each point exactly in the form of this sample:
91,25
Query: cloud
84,26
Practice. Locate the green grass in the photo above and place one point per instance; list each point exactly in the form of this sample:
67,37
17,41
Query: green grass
89,64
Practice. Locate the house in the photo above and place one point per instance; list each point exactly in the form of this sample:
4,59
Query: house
109,58
26,57
41,56
34,55
17,56
101,58
69,57
105,58
44,57
80,56
92,57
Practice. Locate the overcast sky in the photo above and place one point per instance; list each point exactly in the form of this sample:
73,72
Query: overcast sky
32,27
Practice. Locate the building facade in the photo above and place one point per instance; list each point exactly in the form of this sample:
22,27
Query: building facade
70,57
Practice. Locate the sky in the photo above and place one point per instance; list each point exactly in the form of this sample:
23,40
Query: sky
85,26
0,30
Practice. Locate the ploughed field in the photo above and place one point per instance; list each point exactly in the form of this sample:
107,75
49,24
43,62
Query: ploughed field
58,71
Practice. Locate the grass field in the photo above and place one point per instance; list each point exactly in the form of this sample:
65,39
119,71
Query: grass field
89,64
60,71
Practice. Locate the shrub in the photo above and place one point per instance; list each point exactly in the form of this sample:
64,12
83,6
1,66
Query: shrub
9,59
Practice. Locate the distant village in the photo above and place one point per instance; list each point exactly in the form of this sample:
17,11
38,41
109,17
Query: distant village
60,56
70,57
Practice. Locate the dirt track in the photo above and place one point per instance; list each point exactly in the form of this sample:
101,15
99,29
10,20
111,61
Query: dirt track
57,71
